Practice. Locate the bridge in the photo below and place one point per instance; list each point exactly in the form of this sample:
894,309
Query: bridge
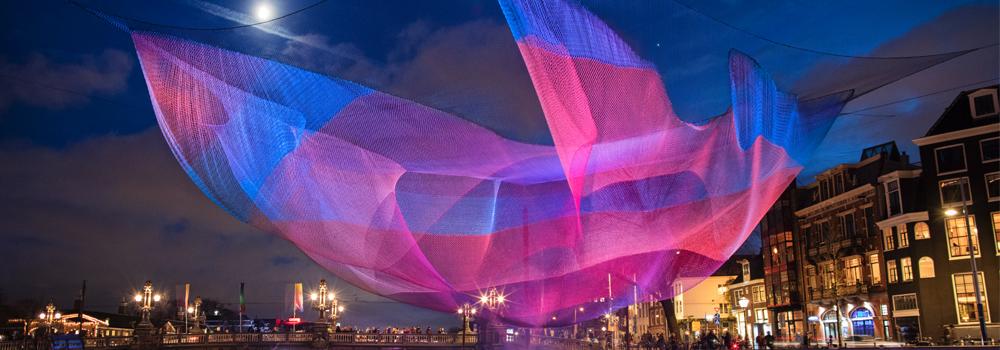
301,341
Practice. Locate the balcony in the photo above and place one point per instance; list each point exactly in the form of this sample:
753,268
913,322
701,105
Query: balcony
852,289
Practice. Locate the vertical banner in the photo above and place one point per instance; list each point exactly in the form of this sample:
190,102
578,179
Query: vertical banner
297,301
187,295
243,302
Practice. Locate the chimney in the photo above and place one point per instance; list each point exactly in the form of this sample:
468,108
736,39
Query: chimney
904,158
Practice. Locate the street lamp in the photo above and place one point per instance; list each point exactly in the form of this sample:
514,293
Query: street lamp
492,299
962,185
48,317
575,323
146,298
467,311
743,302
326,304
196,315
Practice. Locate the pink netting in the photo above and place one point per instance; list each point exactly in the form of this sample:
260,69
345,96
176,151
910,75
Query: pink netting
427,208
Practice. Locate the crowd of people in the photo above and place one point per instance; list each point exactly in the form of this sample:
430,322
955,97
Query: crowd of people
401,330
707,341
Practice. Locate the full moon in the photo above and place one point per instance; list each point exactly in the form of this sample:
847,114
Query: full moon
263,11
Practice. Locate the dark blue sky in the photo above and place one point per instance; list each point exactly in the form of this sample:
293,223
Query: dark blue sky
89,190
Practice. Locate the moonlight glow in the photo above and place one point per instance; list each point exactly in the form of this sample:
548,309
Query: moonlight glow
263,11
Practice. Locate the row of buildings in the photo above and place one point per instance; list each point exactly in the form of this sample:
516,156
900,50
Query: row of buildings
872,250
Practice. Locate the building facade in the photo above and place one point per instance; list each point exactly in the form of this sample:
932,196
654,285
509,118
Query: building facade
934,296
841,249
781,268
748,299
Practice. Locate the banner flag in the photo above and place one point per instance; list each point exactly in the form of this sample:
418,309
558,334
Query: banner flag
298,297
243,302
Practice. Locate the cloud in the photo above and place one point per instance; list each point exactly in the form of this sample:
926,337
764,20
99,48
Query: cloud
958,29
117,210
473,70
58,85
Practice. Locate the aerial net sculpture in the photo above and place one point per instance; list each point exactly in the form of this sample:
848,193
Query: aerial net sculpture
427,208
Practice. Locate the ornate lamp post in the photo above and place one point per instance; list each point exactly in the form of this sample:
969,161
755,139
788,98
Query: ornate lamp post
195,314
744,304
467,311
146,298
49,317
575,323
326,304
490,328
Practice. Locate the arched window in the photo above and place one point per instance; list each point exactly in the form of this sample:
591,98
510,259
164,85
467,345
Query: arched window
921,231
830,316
861,312
861,321
926,266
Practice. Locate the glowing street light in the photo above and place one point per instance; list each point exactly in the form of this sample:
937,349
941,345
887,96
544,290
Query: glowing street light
963,184
49,316
195,312
467,311
146,298
744,302
492,299
326,303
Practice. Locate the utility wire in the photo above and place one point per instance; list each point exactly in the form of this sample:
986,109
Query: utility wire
853,113
21,80
918,97
99,13
821,52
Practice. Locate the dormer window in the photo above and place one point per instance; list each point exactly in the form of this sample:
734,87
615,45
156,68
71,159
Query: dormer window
746,270
983,103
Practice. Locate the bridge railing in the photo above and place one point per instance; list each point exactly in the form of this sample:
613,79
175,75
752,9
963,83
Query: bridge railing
108,342
184,340
337,338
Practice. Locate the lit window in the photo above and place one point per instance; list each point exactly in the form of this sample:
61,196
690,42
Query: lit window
989,149
958,236
746,270
907,266
890,265
852,270
921,231
904,240
950,159
993,186
887,235
761,315
829,276
950,194
996,229
759,294
894,201
965,298
926,265
875,269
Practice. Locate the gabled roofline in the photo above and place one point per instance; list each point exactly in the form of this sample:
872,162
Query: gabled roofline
961,95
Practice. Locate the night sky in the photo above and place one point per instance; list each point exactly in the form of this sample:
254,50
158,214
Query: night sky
89,189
